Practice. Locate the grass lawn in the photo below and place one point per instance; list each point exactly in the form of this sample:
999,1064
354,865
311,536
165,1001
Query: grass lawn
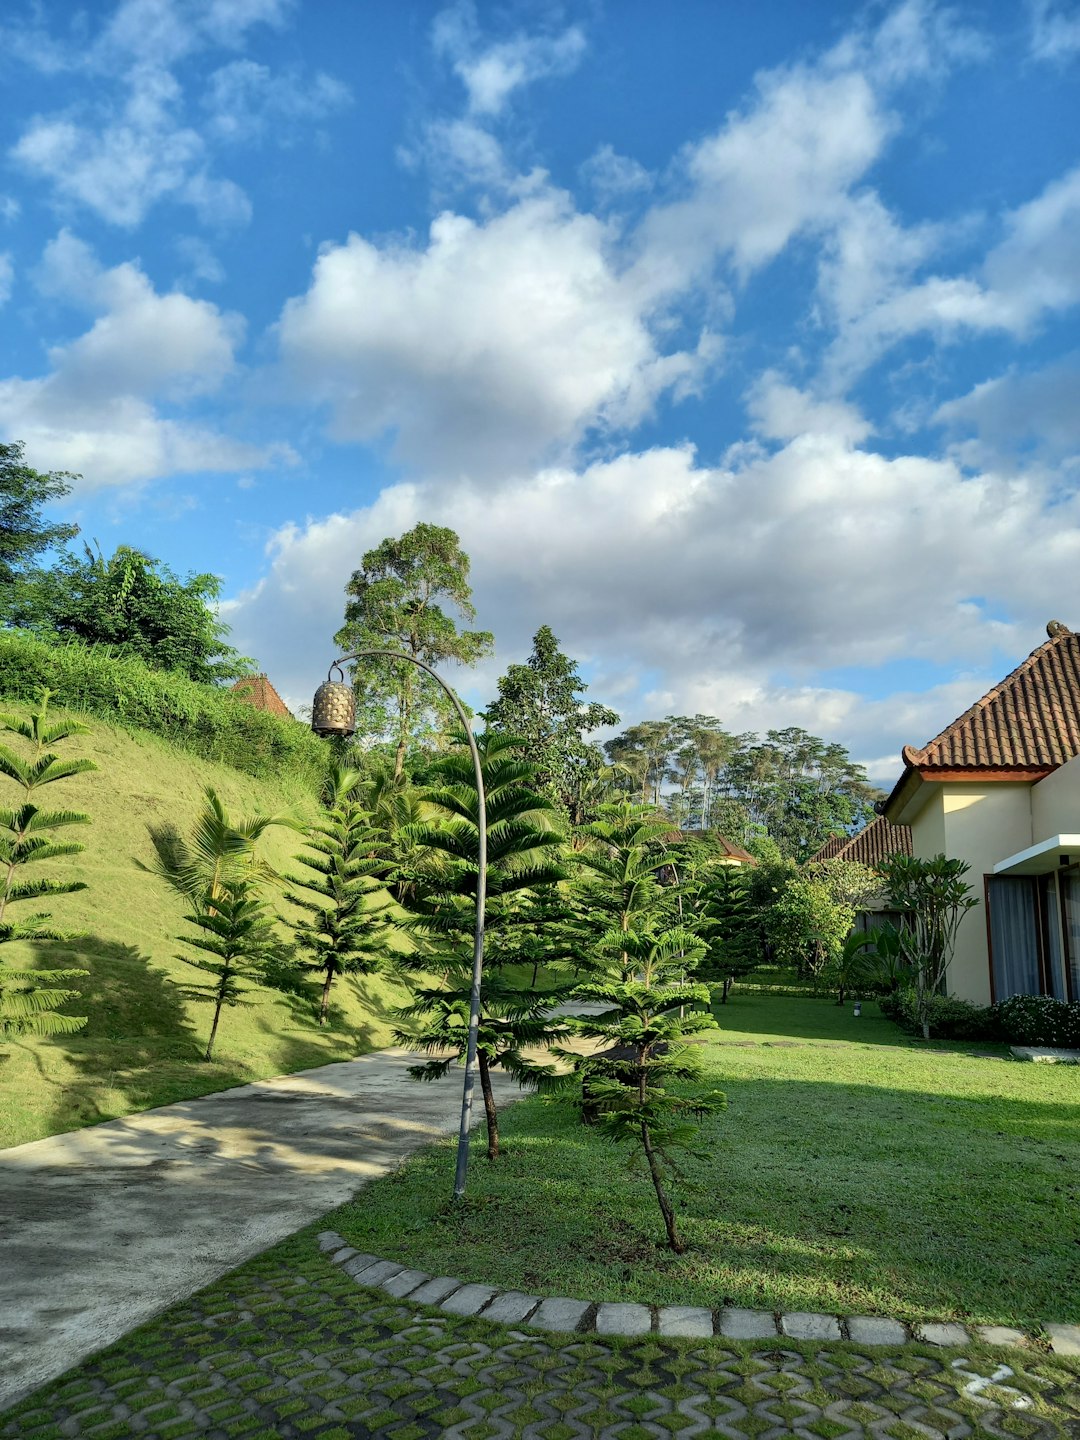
144,1042
855,1171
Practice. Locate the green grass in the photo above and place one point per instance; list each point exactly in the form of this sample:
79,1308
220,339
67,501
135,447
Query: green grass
289,1345
143,1044
855,1171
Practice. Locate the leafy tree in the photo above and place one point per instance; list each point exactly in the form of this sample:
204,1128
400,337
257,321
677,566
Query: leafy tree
397,600
809,925
645,749
618,872
542,703
933,898
24,533
734,948
30,999
523,851
233,929
344,924
135,604
651,1006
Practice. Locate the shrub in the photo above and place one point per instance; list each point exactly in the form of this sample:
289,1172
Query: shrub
1038,1020
126,691
950,1018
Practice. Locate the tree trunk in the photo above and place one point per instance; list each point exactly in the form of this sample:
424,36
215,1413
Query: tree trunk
324,1006
490,1112
926,1029
213,1028
843,992
658,1185
727,987
536,967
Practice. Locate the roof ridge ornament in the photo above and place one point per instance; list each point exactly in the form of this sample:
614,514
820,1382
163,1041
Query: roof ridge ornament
1055,629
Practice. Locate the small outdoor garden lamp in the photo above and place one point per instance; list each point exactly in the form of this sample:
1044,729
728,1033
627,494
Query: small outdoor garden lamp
856,1009
333,712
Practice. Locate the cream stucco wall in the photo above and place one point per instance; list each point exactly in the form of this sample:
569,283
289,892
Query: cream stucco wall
981,824
1055,803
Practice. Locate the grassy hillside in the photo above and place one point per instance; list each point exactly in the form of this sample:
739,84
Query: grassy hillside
143,1043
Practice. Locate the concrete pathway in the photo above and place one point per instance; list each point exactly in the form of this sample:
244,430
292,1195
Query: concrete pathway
106,1227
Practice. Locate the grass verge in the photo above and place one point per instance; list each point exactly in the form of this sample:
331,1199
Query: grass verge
855,1171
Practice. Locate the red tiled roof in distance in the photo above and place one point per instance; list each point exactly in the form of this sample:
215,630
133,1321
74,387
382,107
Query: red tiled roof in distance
877,842
257,691
1030,721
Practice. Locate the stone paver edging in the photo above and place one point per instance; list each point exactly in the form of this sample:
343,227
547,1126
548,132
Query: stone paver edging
559,1314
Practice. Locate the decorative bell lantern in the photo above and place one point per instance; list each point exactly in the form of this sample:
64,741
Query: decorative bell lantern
333,711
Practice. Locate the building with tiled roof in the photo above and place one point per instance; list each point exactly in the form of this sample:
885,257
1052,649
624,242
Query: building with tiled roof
1000,789
257,691
876,842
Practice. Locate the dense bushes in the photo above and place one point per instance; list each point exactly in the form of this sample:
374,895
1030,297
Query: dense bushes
208,721
1020,1020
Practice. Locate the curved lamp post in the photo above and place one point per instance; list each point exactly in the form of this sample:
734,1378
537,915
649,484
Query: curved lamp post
333,712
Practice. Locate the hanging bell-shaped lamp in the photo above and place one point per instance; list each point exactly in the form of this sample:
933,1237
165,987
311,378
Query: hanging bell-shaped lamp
333,711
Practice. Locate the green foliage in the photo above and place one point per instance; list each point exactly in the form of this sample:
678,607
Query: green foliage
125,691
728,925
949,1017
24,534
541,702
617,882
232,929
29,1000
523,854
344,923
136,605
1037,1020
933,897
809,925
651,1005
396,603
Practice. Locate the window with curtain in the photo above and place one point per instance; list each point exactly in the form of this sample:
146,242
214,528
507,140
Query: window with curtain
1069,881
1014,935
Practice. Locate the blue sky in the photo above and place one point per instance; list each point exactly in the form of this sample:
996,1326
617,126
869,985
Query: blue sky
739,344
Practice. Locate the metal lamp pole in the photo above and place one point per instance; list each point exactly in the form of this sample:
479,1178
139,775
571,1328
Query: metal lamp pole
334,726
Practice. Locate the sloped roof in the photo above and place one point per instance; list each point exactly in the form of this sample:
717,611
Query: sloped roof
870,846
730,849
257,691
1030,721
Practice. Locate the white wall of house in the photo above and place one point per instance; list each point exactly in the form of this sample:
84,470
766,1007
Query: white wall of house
1055,803
979,823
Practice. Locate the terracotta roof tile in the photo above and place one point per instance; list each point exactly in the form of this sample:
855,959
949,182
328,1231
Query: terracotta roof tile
1030,721
257,691
877,842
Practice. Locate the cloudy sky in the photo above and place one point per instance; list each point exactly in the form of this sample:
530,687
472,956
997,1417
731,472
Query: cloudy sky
738,343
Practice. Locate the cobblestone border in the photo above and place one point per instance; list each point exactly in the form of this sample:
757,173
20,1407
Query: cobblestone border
563,1315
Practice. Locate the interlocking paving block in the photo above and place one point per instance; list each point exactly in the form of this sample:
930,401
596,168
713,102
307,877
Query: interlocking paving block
623,1319
330,1240
685,1320
557,1313
1000,1335
1064,1339
404,1282
739,1324
375,1273
943,1335
874,1330
468,1300
511,1307
359,1263
805,1325
435,1290
346,1253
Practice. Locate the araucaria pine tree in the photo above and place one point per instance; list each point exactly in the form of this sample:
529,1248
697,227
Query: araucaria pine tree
30,999
344,923
232,935
651,1004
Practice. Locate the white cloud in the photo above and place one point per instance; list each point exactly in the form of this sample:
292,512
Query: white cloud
1055,30
10,209
730,589
245,101
484,349
7,277
783,412
613,177
96,410
1006,422
492,72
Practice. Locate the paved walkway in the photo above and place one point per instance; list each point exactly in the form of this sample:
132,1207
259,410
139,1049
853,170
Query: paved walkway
290,1348
106,1227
